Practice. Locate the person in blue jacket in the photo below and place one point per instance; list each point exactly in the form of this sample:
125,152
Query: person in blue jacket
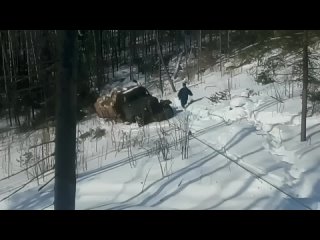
183,95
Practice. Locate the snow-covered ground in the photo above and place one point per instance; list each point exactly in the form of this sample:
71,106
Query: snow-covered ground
255,135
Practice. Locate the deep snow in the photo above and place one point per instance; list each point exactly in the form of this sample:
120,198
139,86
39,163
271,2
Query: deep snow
258,132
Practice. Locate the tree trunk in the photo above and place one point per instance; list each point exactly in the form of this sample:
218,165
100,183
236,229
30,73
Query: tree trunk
119,45
172,45
186,58
145,58
99,67
199,55
65,151
34,56
114,49
131,53
6,81
165,67
44,74
124,45
160,79
228,42
112,53
14,96
304,88
220,53
29,73
105,57
134,41
149,42
177,66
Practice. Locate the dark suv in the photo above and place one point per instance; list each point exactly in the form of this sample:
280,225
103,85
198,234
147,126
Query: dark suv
136,104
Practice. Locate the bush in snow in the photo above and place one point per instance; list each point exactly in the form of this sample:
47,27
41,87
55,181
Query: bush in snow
264,78
99,133
219,96
182,133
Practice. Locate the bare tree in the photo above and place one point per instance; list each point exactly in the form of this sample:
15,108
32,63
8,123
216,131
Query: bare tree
165,67
304,88
199,54
160,79
220,46
5,80
99,66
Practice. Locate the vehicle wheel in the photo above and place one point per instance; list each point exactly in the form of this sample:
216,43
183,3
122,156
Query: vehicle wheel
140,121
168,112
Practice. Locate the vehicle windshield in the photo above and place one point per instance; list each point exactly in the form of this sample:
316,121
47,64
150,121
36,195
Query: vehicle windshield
135,93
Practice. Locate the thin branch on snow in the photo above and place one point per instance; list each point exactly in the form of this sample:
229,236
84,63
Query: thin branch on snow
46,184
25,169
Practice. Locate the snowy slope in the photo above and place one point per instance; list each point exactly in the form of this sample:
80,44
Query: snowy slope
122,170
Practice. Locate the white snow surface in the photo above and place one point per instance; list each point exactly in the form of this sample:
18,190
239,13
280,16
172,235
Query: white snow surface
257,132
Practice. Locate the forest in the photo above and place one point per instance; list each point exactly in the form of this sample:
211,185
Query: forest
51,79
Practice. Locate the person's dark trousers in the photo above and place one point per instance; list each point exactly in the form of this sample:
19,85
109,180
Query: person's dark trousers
183,104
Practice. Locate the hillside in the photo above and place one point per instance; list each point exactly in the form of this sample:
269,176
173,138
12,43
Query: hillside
243,153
